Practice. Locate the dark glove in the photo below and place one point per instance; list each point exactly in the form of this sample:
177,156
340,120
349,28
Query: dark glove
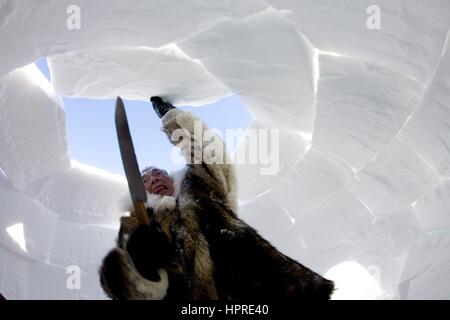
161,107
150,250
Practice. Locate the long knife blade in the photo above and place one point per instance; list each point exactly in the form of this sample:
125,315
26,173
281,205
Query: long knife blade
130,164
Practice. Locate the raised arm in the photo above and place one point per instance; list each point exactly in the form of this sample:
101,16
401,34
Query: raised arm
203,149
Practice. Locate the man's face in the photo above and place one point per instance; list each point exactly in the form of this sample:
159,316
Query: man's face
157,181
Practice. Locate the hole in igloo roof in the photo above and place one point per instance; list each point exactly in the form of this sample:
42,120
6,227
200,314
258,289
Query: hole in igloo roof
92,136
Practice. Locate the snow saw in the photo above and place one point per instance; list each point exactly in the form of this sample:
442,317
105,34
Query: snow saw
130,164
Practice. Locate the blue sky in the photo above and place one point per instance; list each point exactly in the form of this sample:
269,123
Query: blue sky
92,136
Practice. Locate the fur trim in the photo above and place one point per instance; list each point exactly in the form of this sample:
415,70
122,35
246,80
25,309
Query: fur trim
120,279
151,290
160,203
170,116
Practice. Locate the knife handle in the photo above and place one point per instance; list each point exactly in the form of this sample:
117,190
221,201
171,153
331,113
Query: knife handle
141,213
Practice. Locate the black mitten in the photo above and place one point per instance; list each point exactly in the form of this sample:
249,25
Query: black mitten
161,107
150,250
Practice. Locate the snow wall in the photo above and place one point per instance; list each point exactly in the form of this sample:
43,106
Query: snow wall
363,115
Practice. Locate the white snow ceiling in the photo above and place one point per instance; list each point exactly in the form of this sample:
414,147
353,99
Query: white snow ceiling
372,187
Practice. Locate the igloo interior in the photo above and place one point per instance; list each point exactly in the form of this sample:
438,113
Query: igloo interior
363,117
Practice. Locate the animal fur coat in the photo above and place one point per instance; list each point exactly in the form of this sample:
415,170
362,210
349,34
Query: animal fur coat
213,253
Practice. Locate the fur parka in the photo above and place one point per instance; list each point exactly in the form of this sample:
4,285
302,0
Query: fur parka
218,256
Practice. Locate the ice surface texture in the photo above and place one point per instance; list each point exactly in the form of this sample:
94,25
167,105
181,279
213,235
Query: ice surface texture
363,118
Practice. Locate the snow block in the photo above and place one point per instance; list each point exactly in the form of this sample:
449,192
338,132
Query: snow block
32,129
339,218
14,275
290,244
265,215
352,29
389,274
26,227
433,209
51,28
135,74
252,184
265,155
50,282
428,130
85,196
270,67
426,268
81,245
386,238
360,108
312,181
380,247
393,180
